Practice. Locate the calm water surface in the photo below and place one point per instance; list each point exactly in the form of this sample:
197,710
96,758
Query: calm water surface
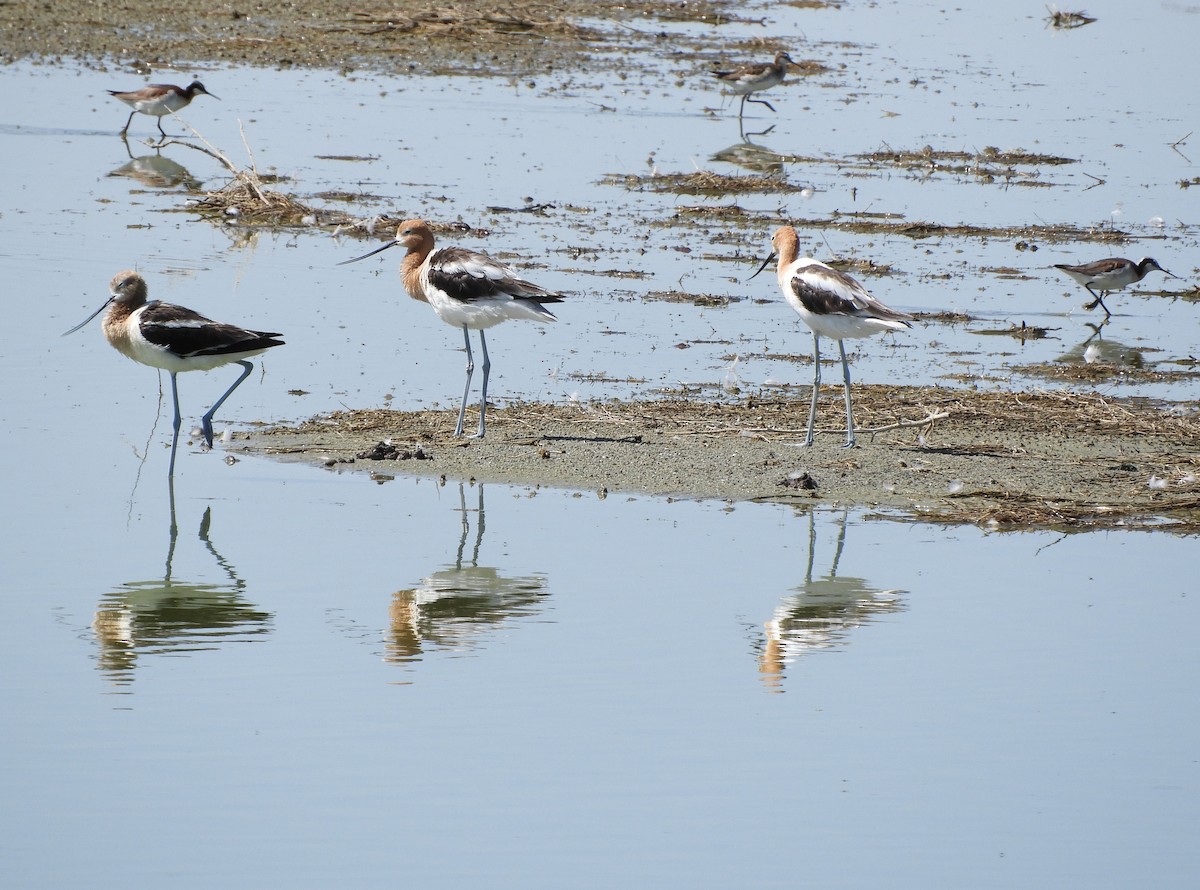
322,677
282,672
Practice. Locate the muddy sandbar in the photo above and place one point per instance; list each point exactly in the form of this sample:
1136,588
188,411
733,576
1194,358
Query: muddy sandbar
1038,458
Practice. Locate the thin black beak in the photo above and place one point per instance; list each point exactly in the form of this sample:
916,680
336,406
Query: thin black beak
89,318
764,265
372,253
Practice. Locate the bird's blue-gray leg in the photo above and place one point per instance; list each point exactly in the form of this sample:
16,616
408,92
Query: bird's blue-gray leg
462,408
812,408
479,524
487,367
174,525
206,420
1099,301
760,102
849,407
175,425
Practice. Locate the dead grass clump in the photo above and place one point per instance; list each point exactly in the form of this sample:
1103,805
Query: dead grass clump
893,225
1069,412
1018,510
945,316
704,301
963,160
372,227
346,197
1007,272
1016,167
886,224
702,182
1103,372
710,211
244,200
1020,331
861,266
1053,233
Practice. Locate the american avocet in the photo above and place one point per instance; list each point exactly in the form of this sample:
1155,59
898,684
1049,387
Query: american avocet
1111,274
466,289
834,305
753,78
158,99
175,339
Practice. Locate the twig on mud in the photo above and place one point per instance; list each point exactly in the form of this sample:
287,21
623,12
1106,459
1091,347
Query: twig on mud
210,151
901,424
246,145
246,199
249,178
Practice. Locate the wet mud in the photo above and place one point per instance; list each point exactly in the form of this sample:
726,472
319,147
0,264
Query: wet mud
518,39
1002,459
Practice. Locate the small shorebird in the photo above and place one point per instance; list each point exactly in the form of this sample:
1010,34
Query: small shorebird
466,289
1111,274
175,339
834,305
753,78
158,99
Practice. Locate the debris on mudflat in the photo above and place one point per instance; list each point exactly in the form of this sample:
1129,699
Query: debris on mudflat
702,182
800,481
387,451
1021,331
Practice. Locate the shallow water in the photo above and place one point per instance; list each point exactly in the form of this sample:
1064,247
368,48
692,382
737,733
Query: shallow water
332,679
345,678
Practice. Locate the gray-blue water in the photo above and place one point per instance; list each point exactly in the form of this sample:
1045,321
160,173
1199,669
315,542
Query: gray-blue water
322,679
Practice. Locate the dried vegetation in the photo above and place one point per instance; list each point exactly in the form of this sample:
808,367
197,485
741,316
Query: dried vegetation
702,182
247,199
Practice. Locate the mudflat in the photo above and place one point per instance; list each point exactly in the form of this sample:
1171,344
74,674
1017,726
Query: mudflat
1046,459
513,39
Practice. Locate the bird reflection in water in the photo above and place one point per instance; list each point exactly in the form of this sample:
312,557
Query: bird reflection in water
821,612
1097,351
155,171
751,156
166,616
453,609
